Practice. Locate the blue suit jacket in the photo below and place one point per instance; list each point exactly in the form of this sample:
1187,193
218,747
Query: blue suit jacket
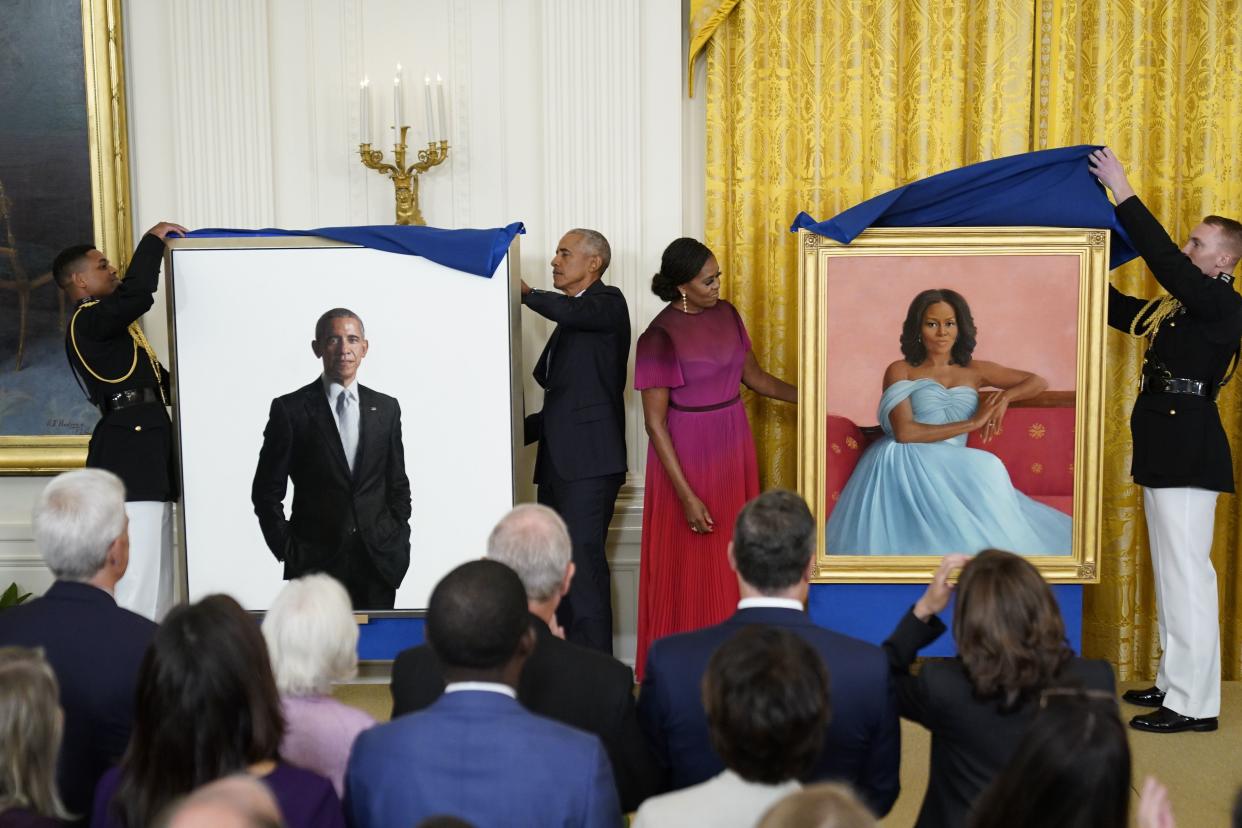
95,648
863,744
484,758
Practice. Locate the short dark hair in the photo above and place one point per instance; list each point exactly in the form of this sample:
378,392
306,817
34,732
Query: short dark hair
477,616
1231,229
912,347
206,706
681,262
1071,769
325,320
66,262
773,540
1008,628
766,697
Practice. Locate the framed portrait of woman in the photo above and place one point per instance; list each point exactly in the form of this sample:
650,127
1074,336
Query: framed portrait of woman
64,179
952,388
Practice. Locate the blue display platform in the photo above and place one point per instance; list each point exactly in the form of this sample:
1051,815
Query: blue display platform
871,611
866,611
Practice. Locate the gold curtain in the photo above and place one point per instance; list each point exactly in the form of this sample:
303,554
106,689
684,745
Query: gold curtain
819,105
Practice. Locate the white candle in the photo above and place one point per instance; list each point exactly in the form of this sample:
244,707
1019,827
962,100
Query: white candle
364,111
444,128
431,127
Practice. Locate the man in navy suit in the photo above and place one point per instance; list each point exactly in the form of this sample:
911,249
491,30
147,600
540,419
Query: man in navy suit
581,429
772,552
340,444
94,646
476,753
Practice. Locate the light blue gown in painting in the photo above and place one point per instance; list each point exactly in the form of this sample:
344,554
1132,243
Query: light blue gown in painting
937,498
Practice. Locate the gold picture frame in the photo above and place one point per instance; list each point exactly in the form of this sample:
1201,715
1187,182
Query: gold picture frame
1080,252
103,67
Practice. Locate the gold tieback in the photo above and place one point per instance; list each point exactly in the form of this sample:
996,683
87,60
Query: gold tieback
140,341
1165,306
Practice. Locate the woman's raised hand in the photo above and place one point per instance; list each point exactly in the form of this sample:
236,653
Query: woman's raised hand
697,516
939,591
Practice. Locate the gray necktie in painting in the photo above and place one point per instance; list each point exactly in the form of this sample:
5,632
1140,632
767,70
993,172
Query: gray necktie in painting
347,423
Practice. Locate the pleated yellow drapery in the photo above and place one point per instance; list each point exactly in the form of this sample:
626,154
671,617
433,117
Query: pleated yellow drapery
819,105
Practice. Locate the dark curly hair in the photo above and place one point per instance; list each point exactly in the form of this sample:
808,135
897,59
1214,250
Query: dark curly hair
1008,628
681,262
912,347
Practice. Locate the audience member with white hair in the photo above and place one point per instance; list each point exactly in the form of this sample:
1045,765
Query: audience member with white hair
574,685
30,725
313,641
94,646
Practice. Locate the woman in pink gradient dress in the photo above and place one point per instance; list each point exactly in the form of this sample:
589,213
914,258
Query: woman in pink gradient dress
701,465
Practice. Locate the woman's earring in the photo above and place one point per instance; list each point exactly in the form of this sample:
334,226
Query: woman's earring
684,307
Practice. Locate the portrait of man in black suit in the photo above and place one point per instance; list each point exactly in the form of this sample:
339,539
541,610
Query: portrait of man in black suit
339,443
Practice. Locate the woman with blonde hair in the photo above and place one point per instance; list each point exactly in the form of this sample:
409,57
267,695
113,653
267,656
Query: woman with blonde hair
312,638
30,729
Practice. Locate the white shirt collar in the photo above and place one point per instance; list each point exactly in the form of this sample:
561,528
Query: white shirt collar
333,389
764,601
484,686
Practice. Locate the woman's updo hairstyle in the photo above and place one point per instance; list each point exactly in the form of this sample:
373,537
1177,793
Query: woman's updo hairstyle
681,262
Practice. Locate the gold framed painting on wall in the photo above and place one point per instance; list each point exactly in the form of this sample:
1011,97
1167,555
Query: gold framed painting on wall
64,179
906,335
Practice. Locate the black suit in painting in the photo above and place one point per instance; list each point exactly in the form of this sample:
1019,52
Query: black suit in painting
581,432
355,527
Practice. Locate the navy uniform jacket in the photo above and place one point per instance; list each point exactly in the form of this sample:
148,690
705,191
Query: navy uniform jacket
582,370
1178,438
134,443
863,743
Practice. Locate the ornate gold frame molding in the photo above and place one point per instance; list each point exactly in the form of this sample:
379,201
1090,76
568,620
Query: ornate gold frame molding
104,58
815,261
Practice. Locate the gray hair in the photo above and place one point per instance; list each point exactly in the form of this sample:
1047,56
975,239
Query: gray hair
30,730
596,245
311,636
533,541
76,519
325,321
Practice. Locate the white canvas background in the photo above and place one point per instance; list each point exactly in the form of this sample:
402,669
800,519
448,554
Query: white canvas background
243,321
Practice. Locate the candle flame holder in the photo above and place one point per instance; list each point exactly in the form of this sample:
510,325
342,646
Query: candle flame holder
405,179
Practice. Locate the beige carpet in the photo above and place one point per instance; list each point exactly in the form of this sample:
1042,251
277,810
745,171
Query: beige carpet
1202,770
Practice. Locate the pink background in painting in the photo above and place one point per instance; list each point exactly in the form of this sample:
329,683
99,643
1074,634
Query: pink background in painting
1025,310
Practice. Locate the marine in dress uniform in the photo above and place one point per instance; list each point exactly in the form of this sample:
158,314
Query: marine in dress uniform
124,379
1181,457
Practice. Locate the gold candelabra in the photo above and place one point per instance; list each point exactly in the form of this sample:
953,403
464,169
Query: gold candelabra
405,179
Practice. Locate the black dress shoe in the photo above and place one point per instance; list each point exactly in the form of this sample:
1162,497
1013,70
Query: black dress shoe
1151,697
1165,720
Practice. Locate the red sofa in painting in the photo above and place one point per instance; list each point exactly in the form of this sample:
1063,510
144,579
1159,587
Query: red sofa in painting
1036,446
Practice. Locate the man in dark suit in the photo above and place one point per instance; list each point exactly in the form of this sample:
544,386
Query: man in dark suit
476,753
94,646
581,429
1181,455
122,377
340,444
574,685
772,552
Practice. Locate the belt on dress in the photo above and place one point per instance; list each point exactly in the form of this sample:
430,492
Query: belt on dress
129,398
715,407
1176,385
